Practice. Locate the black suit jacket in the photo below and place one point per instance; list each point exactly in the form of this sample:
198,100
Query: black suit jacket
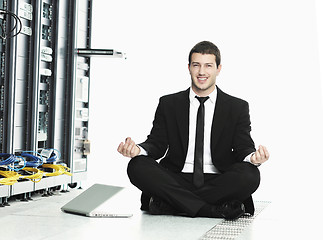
230,137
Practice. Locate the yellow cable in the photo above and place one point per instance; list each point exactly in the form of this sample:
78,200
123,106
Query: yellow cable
11,177
67,171
36,177
59,169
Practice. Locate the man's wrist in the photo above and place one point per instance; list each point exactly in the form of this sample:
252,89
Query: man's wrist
142,151
253,162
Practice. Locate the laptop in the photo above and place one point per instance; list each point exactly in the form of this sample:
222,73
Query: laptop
99,200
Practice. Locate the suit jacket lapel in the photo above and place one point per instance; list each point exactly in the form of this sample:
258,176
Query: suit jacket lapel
182,116
222,109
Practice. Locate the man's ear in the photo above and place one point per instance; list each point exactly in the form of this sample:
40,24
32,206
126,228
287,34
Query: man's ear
218,69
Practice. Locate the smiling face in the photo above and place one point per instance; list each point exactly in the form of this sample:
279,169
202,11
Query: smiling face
203,70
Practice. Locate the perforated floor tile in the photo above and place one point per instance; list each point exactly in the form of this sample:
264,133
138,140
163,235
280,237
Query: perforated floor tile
229,229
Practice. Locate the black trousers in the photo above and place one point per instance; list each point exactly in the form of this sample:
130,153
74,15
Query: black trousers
177,189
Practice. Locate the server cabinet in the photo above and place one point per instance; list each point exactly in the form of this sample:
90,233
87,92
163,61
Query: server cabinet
44,86
79,143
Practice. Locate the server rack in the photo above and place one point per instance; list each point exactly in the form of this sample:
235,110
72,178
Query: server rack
44,88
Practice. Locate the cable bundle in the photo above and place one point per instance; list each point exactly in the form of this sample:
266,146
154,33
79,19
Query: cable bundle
59,170
17,25
36,177
16,163
32,160
10,177
30,166
8,159
11,159
53,156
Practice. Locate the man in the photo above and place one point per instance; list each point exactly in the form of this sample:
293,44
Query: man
208,165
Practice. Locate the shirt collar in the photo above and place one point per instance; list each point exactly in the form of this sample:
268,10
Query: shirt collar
212,95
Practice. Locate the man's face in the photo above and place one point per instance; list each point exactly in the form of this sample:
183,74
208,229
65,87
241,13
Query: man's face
203,72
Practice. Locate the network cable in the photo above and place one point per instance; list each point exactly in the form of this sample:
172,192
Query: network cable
10,177
8,159
67,170
36,177
17,25
32,160
17,162
59,170
54,156
11,159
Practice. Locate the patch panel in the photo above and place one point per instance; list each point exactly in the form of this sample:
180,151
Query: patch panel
44,97
2,65
2,99
3,60
46,32
3,4
47,11
46,78
42,126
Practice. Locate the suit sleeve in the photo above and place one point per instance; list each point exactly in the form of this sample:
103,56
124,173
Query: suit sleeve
157,143
243,144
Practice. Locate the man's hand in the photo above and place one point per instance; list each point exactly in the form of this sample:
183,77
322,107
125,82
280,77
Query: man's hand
128,148
260,156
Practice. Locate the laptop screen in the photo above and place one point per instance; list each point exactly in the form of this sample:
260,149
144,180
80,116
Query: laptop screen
91,198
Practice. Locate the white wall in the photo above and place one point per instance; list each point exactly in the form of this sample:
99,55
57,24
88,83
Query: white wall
319,27
269,57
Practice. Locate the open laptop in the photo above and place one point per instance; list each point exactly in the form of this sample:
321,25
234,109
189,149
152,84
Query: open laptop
99,201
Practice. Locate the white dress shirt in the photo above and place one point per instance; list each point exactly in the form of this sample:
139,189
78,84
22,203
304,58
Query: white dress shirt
209,112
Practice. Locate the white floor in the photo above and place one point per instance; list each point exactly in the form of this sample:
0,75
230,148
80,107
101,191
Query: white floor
42,219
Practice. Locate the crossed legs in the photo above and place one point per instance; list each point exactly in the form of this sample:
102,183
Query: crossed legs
177,189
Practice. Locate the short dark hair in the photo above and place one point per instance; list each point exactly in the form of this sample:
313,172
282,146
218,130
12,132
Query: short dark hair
206,47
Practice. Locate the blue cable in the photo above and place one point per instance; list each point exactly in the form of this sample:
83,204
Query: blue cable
54,157
9,158
34,161
16,160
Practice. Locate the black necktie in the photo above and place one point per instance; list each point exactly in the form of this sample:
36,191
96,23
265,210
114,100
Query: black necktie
198,176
